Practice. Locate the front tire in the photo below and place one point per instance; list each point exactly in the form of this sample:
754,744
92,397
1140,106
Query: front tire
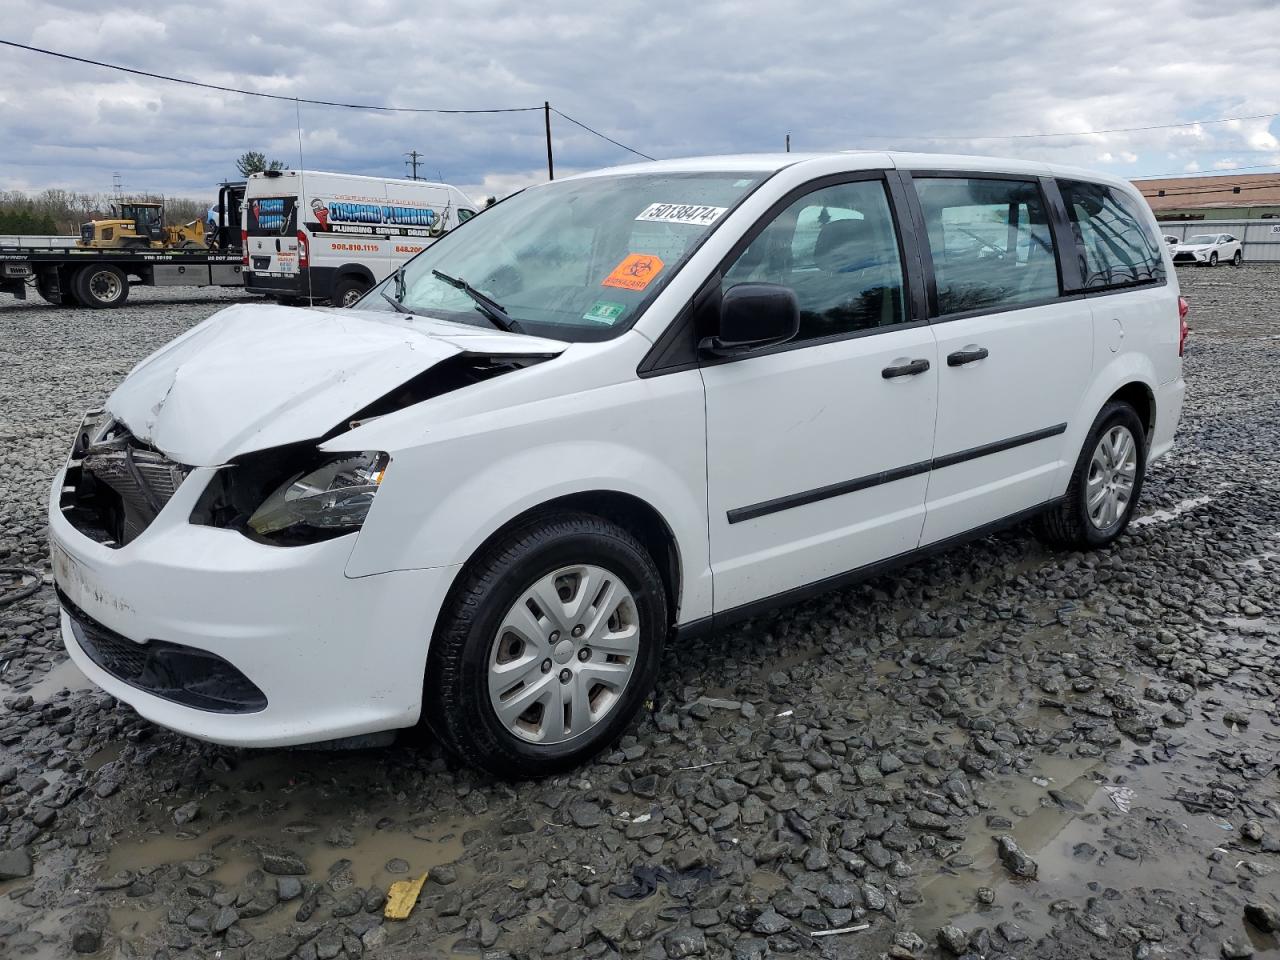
547,647
1105,485
101,286
1213,259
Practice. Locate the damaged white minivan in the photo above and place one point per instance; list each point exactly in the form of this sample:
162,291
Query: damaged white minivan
608,414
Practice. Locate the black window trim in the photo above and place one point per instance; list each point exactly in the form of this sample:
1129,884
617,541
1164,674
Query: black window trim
674,350
1079,287
1058,230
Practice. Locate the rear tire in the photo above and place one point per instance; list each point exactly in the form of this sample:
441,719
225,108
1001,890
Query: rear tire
347,291
503,637
1072,524
62,296
1238,259
101,285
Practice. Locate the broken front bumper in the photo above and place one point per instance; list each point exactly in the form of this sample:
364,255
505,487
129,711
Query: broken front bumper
332,656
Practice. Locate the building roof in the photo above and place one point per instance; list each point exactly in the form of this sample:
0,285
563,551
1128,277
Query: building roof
1183,193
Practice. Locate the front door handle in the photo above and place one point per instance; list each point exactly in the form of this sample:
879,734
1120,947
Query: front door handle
971,355
908,369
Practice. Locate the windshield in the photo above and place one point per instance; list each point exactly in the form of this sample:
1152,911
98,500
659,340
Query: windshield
574,260
1202,238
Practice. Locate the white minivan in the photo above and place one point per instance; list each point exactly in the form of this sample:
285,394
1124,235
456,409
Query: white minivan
615,411
309,235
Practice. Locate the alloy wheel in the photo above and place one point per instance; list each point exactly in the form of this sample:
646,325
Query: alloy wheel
1113,471
564,654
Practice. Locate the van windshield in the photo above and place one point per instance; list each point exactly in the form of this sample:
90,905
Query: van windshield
574,260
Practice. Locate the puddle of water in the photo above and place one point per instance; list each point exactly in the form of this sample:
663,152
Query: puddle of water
1074,839
1177,510
65,676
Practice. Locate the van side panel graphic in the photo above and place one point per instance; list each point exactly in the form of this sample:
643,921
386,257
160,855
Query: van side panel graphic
354,216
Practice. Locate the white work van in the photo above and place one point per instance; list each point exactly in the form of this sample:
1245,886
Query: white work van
312,236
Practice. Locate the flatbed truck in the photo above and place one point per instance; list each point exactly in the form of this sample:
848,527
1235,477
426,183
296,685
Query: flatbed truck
70,275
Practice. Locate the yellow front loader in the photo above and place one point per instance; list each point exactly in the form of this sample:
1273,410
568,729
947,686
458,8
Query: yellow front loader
140,225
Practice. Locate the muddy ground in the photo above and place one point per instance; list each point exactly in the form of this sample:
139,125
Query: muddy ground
845,765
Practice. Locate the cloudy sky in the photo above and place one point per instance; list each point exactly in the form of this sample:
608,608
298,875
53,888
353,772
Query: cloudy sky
667,78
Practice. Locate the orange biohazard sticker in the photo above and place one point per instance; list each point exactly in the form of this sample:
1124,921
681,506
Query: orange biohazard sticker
634,272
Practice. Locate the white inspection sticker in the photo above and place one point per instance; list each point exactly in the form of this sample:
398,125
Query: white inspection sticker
694,213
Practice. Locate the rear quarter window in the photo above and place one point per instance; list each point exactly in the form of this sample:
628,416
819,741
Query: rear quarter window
1115,245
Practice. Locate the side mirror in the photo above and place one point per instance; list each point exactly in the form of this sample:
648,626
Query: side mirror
753,315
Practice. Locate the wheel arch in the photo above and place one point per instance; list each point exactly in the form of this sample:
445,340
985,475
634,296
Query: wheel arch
634,514
353,270
1142,398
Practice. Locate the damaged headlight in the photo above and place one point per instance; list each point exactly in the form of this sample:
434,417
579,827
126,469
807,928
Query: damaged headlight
330,499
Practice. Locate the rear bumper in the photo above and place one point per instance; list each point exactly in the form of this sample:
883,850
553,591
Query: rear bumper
332,656
1169,397
314,282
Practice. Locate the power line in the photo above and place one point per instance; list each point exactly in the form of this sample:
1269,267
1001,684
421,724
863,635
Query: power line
1206,173
257,93
1074,133
600,135
322,103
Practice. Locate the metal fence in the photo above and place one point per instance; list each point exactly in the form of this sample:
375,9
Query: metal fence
1261,238
7,240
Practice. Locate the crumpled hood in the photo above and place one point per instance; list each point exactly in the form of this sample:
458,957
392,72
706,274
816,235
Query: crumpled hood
255,376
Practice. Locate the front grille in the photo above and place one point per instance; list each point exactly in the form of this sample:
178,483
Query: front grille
1183,257
119,656
186,675
115,485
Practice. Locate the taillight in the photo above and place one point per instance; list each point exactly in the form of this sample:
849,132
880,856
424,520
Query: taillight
302,250
1183,329
244,248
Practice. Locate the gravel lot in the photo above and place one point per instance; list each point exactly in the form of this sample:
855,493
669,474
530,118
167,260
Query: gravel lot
1001,752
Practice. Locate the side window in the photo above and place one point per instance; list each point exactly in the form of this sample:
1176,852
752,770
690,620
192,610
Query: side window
1116,246
990,242
837,248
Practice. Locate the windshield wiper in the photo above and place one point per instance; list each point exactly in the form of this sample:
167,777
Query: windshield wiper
400,307
497,315
398,300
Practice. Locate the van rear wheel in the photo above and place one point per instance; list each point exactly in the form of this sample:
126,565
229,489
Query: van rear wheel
547,647
348,290
1105,486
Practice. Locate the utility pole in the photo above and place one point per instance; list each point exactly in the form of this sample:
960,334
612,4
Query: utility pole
546,115
117,185
788,143
413,156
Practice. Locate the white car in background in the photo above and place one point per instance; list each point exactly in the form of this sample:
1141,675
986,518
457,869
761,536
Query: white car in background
1210,249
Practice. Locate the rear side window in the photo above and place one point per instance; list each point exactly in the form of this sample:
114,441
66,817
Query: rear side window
272,216
990,242
1116,246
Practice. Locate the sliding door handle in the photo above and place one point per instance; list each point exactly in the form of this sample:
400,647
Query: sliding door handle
908,369
967,355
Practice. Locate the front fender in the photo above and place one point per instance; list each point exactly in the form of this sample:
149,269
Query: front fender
444,497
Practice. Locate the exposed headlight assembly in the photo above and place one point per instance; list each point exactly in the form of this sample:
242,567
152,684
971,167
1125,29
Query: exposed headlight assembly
334,497
293,495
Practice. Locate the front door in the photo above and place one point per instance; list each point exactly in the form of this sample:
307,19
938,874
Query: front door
818,450
1014,355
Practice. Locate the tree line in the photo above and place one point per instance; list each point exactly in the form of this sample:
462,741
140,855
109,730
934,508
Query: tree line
58,212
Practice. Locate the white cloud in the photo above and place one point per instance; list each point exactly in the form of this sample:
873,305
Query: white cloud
723,76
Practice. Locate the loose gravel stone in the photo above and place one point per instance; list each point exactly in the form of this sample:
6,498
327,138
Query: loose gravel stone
837,763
